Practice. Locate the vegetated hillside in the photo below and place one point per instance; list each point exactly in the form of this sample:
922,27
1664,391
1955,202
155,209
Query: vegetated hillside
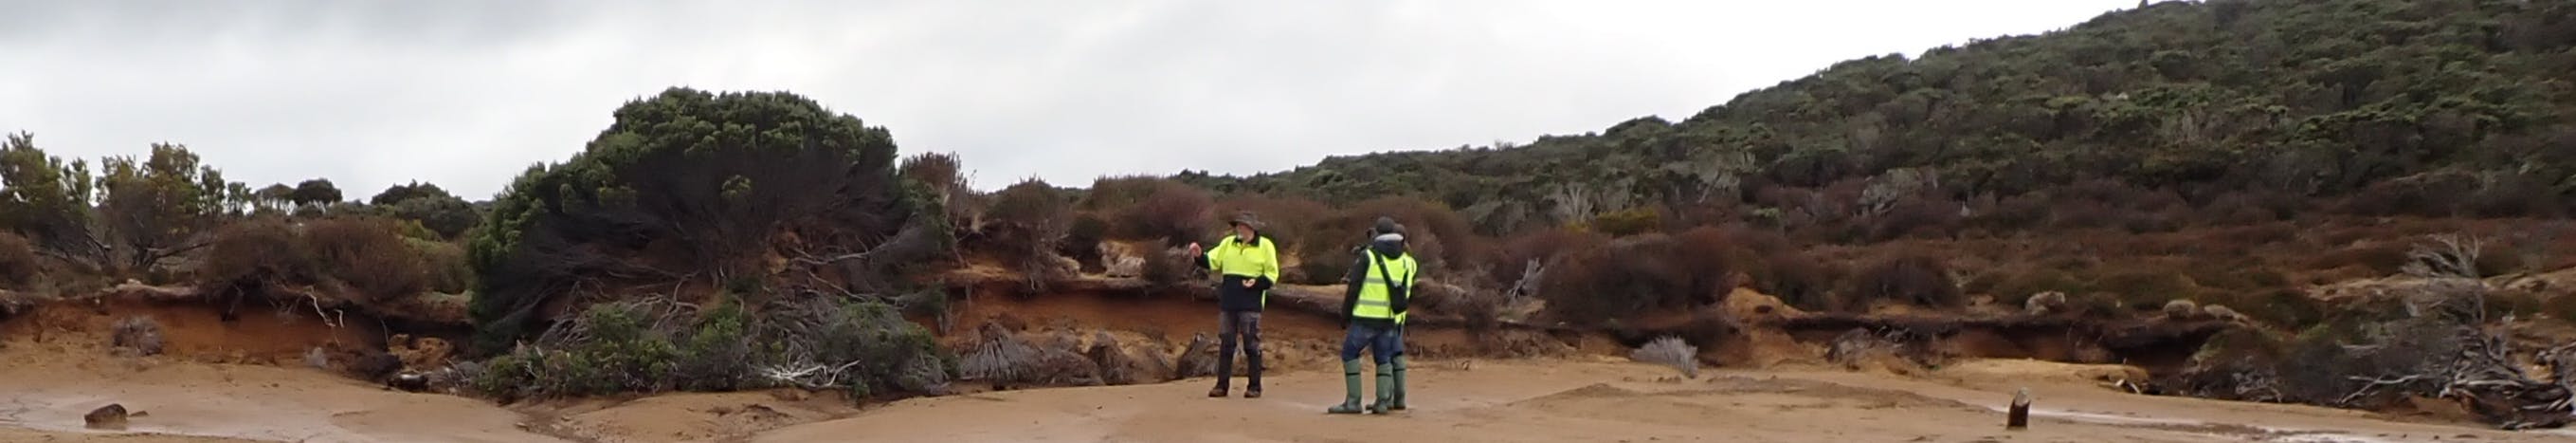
2445,107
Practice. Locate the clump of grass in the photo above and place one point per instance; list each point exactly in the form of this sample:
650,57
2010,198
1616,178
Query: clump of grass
1669,351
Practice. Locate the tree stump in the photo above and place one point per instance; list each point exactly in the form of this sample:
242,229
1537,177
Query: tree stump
2018,417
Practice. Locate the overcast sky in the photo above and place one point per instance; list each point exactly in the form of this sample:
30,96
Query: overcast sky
465,94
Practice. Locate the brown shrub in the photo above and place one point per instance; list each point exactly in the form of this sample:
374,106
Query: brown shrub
1632,275
1916,216
2247,208
1112,194
1427,225
1082,242
368,254
1799,279
1913,278
257,250
1169,211
1328,243
2435,194
1029,219
2561,307
1164,267
19,265
2282,308
2144,288
1629,222
1291,219
2017,287
1545,246
2380,258
2513,195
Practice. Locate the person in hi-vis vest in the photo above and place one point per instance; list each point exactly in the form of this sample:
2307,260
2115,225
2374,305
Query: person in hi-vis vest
1370,309
1384,225
1248,264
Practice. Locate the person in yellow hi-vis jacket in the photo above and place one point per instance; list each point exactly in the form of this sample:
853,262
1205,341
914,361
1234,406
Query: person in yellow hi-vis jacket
1370,309
1359,275
1249,265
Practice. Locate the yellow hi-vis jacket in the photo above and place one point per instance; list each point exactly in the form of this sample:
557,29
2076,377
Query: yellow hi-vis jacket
1376,299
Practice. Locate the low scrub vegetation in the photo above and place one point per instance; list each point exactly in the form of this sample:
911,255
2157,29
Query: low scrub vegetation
366,258
20,267
864,348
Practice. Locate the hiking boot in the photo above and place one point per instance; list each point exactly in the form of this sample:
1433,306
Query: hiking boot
1217,392
1350,389
1252,392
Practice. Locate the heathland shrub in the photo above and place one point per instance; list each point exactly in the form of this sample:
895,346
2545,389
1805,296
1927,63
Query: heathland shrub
19,265
1916,279
815,343
368,254
257,250
1291,220
1082,242
1629,222
1635,274
1029,220
446,264
1170,211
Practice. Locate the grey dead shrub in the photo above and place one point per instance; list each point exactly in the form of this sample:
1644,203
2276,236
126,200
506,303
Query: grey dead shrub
1669,351
140,334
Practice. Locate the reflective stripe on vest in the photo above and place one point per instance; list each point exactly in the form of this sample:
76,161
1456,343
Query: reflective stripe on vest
1375,301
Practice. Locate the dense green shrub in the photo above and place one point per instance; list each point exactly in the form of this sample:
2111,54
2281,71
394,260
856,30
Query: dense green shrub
691,184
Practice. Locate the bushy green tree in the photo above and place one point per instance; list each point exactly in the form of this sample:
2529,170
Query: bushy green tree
160,206
315,192
47,200
690,184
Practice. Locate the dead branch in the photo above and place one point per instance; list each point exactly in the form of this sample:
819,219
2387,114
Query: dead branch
2447,256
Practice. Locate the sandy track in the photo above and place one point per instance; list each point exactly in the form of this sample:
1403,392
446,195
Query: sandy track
49,385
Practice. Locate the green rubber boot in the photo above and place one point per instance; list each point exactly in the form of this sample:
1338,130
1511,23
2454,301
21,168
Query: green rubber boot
1385,389
1350,389
1399,384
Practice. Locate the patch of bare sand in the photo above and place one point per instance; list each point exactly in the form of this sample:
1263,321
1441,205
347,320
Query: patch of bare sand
51,384
686,417
1600,400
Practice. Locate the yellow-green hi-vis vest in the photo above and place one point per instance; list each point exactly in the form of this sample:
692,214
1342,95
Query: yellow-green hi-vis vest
1374,299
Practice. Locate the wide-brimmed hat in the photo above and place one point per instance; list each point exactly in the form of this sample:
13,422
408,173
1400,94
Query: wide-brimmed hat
1244,218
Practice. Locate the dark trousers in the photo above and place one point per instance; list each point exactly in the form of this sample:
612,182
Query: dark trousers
1382,343
1245,325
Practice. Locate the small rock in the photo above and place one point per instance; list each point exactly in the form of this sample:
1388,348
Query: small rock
409,382
110,416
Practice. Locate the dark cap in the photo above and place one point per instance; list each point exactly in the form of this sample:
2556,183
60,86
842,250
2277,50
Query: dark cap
1386,225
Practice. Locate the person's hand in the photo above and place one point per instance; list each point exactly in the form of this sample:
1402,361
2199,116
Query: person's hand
1194,249
1247,283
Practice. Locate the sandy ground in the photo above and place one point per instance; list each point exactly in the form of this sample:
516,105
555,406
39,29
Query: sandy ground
48,386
